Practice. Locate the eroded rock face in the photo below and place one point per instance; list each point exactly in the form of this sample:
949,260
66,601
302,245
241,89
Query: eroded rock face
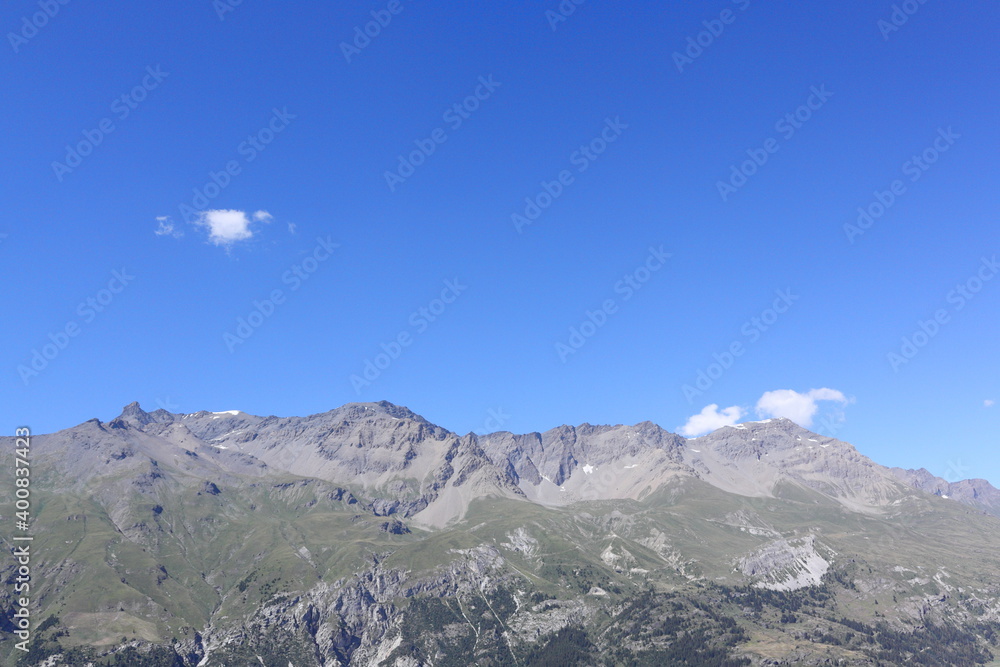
785,565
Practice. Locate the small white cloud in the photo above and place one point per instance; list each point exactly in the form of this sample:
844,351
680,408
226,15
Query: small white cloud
292,227
226,226
988,403
262,216
709,419
800,408
165,227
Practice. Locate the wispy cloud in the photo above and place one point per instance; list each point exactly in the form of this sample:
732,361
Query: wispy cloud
262,216
711,418
165,227
988,403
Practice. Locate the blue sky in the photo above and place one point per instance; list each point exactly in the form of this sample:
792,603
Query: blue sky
482,186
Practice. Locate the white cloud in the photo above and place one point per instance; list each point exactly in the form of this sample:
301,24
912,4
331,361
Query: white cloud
292,227
165,227
262,216
709,419
800,408
988,403
226,226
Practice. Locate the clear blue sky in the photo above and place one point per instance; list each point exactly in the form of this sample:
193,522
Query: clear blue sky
660,132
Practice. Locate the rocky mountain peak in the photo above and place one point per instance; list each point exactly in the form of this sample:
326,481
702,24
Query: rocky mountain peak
365,411
132,415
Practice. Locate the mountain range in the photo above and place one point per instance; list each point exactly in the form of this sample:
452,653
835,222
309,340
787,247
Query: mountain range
367,535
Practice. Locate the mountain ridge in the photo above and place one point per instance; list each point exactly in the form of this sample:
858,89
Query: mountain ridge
367,535
543,462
